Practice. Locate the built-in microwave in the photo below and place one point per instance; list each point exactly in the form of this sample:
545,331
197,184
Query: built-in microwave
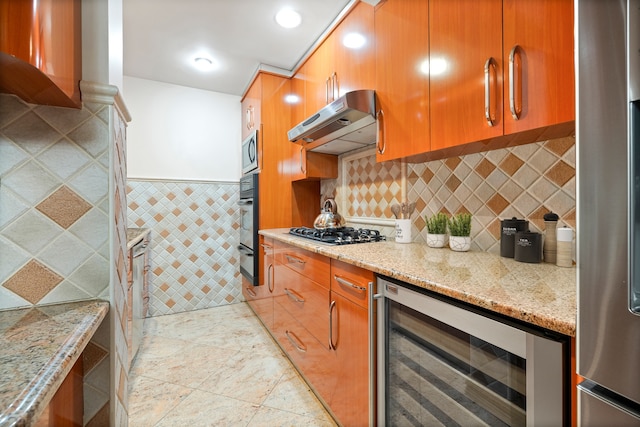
250,153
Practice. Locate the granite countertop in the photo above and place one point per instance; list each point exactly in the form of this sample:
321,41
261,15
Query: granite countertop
39,347
540,294
134,235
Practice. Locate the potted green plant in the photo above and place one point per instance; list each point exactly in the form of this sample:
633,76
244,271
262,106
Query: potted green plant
460,230
437,229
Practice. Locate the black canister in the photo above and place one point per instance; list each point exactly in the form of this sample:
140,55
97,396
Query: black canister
508,230
528,247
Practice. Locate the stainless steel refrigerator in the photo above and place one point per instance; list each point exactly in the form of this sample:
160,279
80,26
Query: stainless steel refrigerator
608,245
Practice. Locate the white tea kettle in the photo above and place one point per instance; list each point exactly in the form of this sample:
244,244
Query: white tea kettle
329,217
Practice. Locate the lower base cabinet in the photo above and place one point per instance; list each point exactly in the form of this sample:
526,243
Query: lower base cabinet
66,408
323,327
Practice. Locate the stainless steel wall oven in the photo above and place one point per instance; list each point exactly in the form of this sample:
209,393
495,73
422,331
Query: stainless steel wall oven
248,205
442,362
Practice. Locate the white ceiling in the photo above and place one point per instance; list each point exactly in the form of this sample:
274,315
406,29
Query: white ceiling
162,37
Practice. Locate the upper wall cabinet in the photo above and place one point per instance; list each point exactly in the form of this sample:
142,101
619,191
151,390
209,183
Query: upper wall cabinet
41,51
402,78
465,71
345,61
251,108
501,73
539,85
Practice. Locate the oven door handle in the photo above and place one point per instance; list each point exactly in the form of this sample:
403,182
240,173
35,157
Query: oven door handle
246,251
245,202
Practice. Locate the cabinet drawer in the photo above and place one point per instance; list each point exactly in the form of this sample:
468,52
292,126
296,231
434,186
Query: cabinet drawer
306,301
313,359
353,283
311,265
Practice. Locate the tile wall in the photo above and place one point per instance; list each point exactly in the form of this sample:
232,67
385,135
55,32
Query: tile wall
195,261
525,181
53,203
54,220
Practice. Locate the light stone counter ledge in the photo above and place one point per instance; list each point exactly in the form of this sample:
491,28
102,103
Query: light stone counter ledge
134,235
39,346
540,294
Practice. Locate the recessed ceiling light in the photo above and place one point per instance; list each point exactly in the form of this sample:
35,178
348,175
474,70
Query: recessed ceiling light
204,64
288,18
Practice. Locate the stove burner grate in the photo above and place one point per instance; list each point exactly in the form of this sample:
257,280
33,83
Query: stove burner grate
341,236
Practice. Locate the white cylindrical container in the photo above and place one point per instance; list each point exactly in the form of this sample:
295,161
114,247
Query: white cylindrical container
564,238
403,230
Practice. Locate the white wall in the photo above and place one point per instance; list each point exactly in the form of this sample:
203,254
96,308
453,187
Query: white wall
181,133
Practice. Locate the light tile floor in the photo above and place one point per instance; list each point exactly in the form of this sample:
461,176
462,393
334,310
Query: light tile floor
217,367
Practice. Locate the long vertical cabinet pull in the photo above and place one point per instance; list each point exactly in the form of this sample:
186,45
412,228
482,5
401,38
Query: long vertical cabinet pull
270,281
331,307
513,106
335,89
326,90
302,169
250,117
380,132
489,66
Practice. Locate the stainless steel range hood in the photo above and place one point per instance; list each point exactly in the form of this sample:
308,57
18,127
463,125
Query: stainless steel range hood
348,123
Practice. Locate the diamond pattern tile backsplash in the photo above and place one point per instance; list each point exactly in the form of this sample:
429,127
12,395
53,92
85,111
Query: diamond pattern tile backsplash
54,189
526,181
195,228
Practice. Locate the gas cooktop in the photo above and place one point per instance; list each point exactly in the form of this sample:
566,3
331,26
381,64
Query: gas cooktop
341,236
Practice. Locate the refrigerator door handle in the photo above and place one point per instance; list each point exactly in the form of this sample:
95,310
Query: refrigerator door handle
634,207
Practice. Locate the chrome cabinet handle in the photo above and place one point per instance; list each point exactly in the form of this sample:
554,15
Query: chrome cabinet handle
292,259
270,281
380,132
251,292
491,63
515,112
266,247
335,90
302,160
345,282
295,341
326,90
331,307
293,295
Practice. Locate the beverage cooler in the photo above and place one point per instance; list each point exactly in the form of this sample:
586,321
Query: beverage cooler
444,363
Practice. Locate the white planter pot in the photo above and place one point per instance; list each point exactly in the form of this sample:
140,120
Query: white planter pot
436,240
460,243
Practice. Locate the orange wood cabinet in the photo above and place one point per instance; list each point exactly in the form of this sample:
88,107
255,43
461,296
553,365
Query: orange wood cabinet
354,64
501,73
301,324
41,51
538,52
251,108
338,66
260,298
310,165
66,408
402,78
321,321
465,71
350,340
274,152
